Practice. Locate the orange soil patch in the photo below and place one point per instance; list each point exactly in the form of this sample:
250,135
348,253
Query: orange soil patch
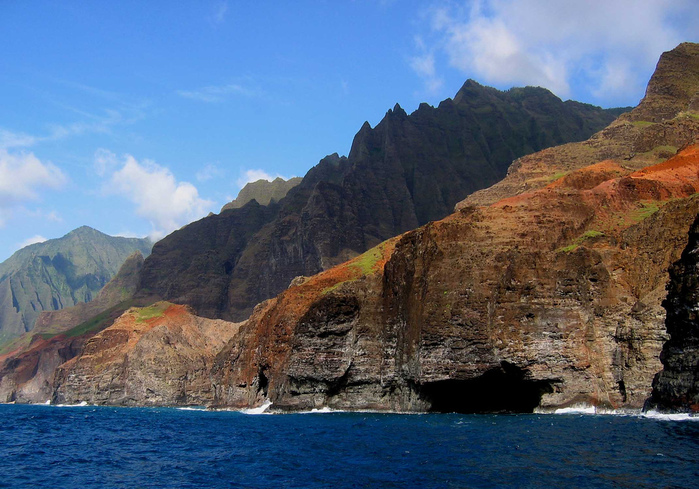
605,186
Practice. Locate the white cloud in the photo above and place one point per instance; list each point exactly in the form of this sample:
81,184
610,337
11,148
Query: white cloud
105,161
22,175
30,241
610,44
9,139
218,93
248,176
208,172
424,66
166,203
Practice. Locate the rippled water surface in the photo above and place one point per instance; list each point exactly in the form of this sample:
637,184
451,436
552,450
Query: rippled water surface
48,446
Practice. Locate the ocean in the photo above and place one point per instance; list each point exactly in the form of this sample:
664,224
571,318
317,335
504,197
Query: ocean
107,447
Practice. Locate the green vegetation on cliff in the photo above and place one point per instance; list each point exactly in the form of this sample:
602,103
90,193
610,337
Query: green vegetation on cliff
408,170
59,273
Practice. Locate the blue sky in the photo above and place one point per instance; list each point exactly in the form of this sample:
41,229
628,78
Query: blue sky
136,117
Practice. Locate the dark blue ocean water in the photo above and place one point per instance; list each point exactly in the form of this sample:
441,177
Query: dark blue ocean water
47,446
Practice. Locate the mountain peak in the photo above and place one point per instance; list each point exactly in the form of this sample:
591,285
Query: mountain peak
83,230
674,86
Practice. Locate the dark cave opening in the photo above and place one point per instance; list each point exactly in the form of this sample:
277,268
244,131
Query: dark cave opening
503,389
263,382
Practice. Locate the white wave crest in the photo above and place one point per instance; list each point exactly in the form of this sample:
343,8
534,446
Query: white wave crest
670,416
258,410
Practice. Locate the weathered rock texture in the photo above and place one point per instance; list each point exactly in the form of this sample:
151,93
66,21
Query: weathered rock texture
59,273
405,172
263,192
547,299
27,369
666,119
676,387
154,356
548,293
542,291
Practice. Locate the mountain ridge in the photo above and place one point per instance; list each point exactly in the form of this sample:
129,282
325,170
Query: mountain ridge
404,172
59,273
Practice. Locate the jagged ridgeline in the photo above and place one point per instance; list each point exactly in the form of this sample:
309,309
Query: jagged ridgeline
543,291
59,273
405,172
263,192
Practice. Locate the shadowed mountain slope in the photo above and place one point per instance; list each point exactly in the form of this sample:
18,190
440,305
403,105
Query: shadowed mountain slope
59,273
405,172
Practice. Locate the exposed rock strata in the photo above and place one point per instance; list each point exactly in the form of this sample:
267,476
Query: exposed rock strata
405,172
676,387
155,356
555,295
27,371
665,120
545,298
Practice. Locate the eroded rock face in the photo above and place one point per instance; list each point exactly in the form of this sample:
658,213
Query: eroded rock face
676,387
664,121
554,296
155,356
405,172
27,371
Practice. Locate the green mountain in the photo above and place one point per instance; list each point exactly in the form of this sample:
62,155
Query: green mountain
59,273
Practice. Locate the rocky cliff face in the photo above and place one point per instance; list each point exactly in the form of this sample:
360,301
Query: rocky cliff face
546,299
263,192
664,121
542,291
59,273
159,355
676,387
546,295
27,369
406,171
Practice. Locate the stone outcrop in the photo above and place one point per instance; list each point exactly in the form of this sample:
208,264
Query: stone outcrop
547,299
159,355
263,192
27,370
664,121
405,172
676,387
59,273
540,293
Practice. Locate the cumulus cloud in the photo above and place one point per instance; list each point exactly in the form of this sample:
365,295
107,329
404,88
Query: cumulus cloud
22,177
30,241
166,203
424,65
253,175
610,44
